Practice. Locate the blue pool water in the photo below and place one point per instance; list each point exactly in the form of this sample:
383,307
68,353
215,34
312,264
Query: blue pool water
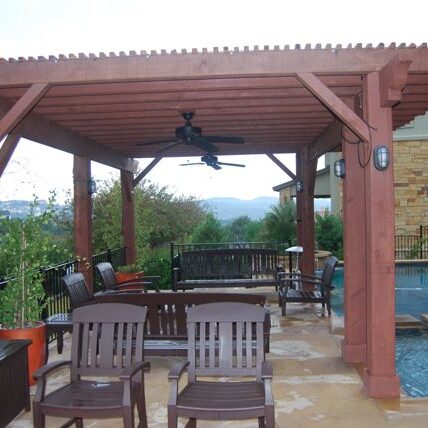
411,297
411,290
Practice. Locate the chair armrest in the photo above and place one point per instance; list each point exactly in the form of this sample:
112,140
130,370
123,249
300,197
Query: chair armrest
178,370
42,372
130,371
267,370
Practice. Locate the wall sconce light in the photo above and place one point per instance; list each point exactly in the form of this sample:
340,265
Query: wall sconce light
340,168
299,186
92,186
381,157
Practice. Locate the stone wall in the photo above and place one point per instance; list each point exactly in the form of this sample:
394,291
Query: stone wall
410,186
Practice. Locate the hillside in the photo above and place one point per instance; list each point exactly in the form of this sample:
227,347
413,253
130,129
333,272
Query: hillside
230,208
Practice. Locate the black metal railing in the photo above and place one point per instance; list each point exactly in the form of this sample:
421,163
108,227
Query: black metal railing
58,301
412,247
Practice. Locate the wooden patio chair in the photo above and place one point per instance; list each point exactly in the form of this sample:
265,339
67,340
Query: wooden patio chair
107,341
307,288
109,282
220,344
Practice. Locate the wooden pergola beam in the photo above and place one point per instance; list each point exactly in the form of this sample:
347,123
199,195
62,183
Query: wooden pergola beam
328,140
7,149
393,78
145,171
43,131
207,65
274,159
332,102
24,105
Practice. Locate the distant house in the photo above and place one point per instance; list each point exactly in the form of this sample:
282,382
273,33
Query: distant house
410,178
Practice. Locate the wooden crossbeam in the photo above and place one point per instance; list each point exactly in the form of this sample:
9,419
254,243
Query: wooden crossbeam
7,149
43,131
327,141
146,170
19,110
393,78
207,65
274,159
333,103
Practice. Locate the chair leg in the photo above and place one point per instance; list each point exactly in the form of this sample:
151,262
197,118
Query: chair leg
141,409
191,423
38,417
261,422
270,417
284,307
128,417
79,422
172,417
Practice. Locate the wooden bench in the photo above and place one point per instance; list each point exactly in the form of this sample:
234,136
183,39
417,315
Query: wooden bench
166,331
225,268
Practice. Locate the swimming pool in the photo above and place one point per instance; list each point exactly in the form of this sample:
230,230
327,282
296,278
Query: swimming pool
411,290
411,352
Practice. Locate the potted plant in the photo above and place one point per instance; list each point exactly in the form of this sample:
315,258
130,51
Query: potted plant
128,273
24,248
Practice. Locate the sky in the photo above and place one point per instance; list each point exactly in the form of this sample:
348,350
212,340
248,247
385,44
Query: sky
51,27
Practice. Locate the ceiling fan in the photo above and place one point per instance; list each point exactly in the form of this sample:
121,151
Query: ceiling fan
192,136
210,160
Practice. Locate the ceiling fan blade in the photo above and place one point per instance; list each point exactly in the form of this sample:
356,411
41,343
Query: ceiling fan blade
216,166
149,143
169,146
205,145
219,139
191,163
231,164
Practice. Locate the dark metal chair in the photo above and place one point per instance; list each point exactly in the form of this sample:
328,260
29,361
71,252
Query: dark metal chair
107,341
221,343
297,287
109,282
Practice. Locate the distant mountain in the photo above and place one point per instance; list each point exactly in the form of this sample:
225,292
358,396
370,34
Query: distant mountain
19,209
230,208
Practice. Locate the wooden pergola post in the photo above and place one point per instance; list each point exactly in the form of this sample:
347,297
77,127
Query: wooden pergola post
354,231
82,218
128,216
380,379
306,171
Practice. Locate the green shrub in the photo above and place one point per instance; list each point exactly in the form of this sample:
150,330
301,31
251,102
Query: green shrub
329,234
157,262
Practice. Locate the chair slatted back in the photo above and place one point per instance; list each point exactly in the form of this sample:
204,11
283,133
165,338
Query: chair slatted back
328,270
77,290
106,271
107,338
221,339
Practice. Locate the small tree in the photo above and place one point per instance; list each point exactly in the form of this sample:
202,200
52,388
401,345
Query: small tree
329,233
26,246
280,223
209,230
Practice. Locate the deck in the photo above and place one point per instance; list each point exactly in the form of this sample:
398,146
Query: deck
312,386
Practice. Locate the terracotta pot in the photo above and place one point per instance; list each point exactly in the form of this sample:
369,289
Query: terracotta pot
37,349
126,276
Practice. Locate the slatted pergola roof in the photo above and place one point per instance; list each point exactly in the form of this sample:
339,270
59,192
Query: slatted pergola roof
100,106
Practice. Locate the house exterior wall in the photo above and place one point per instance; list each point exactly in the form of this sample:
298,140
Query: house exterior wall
410,185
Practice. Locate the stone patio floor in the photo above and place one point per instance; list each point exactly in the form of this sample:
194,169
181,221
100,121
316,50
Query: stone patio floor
312,385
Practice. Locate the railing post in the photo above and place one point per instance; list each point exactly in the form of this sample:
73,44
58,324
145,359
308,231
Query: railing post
109,258
420,242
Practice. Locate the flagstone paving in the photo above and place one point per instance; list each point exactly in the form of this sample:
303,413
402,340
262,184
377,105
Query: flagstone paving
312,385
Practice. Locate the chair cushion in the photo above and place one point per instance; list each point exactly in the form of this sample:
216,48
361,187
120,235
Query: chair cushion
222,396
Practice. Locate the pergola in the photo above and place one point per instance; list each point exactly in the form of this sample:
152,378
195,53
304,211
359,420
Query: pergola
306,101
